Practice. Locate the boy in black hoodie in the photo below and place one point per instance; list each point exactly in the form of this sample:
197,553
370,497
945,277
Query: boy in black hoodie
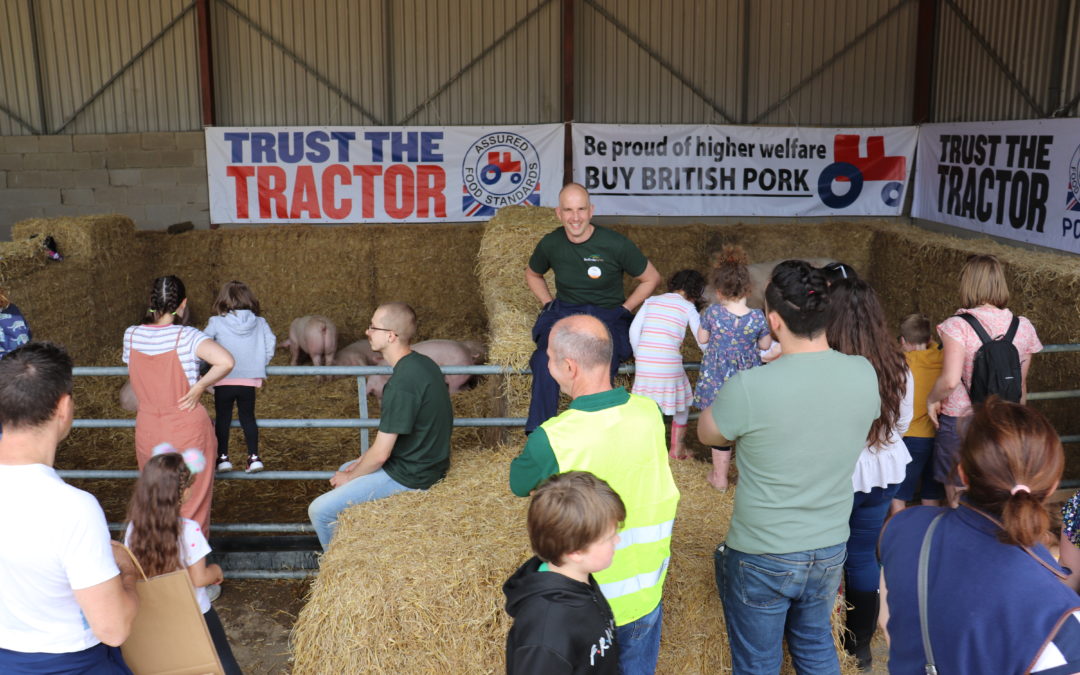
562,623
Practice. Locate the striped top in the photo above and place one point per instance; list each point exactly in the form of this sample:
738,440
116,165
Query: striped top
154,340
657,335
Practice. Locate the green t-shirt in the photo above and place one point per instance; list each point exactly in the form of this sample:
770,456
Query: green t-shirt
416,406
800,423
589,273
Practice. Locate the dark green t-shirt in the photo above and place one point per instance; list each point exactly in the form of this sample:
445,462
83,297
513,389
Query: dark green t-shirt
589,273
416,406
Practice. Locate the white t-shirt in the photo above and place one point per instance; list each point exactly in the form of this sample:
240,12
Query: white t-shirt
153,340
193,548
54,539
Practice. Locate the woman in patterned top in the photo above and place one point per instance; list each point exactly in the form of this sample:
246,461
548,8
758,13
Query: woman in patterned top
984,294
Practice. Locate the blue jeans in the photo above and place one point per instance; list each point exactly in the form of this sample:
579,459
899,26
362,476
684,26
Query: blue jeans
770,596
920,471
545,390
639,643
868,511
324,511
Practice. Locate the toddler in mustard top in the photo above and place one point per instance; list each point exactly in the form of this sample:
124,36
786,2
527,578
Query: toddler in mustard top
924,358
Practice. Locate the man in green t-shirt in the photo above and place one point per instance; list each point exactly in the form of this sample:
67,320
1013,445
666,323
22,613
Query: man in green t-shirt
589,262
412,449
800,423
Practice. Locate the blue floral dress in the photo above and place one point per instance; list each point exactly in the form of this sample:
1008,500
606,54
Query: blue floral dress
732,347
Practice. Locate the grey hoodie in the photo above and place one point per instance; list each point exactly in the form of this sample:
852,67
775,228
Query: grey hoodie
248,338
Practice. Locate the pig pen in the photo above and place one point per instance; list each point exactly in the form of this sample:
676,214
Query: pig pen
448,613
87,300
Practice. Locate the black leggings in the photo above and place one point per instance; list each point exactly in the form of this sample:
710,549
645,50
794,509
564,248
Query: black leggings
217,634
245,407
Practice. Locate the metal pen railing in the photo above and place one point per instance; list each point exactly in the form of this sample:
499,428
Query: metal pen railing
364,423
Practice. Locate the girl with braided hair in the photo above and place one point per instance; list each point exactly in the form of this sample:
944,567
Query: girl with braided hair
733,334
163,365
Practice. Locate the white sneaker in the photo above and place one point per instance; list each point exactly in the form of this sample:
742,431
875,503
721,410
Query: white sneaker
224,464
255,466
213,592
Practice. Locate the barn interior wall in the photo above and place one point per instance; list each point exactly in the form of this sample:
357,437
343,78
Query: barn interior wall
156,178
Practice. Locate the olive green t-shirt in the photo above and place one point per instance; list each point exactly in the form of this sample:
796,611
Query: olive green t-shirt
589,273
800,424
416,406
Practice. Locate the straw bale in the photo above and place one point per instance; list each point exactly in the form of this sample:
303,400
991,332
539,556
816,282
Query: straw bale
508,240
413,583
79,236
82,300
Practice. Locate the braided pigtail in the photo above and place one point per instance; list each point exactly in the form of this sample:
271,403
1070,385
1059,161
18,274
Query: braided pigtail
798,292
165,297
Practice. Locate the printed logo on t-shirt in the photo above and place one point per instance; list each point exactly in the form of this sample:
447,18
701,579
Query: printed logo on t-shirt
594,272
601,646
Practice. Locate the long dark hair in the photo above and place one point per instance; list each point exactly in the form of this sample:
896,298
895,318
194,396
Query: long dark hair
154,513
1013,460
857,327
165,297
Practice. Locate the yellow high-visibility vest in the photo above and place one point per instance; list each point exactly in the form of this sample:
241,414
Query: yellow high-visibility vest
625,446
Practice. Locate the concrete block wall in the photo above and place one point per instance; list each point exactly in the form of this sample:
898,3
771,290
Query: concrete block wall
156,179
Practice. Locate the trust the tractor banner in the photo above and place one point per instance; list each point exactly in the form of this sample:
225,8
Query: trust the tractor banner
1019,180
710,170
379,174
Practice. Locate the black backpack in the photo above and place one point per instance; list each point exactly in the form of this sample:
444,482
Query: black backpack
997,364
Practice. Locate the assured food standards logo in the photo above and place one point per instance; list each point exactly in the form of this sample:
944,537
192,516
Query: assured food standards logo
1072,203
500,169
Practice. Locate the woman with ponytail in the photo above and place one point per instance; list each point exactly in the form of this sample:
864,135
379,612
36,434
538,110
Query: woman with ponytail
163,365
996,601
857,327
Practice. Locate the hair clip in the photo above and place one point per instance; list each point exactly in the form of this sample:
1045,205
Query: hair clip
1020,487
194,459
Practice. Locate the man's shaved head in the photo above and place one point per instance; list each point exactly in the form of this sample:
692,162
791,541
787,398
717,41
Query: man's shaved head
400,318
576,189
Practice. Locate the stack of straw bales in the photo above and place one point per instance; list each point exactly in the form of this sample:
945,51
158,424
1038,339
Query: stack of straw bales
413,584
84,300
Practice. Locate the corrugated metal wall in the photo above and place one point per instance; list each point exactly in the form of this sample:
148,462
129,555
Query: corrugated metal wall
791,62
18,89
82,46
331,62
296,62
831,62
970,84
1070,87
451,62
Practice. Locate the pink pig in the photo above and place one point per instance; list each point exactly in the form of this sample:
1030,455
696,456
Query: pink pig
315,336
442,352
